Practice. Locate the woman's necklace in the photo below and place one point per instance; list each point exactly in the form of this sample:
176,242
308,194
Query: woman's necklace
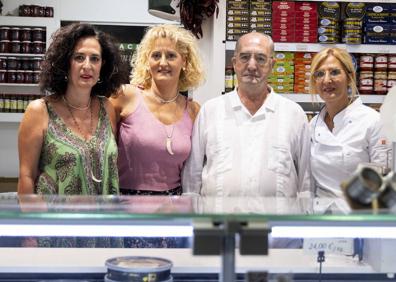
163,101
69,108
69,105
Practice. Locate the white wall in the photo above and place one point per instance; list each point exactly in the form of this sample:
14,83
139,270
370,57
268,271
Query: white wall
123,12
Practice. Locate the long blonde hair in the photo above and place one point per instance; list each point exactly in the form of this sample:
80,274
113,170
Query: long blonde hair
346,61
190,77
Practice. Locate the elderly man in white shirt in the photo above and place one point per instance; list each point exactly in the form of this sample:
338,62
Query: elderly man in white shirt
250,142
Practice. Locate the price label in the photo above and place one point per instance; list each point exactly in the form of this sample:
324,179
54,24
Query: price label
334,246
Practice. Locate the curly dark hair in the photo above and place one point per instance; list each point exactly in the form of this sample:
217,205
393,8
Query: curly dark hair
56,64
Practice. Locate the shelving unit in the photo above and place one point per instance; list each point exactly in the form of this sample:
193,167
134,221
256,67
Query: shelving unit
229,47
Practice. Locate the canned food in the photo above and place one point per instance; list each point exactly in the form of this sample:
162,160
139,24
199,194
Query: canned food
20,76
366,62
380,62
49,12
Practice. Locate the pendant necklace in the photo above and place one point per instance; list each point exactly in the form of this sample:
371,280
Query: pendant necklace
69,108
168,142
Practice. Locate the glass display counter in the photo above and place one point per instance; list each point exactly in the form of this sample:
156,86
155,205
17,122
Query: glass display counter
44,238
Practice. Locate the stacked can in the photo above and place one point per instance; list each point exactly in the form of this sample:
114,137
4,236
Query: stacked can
377,23
393,23
237,19
366,74
353,23
302,71
282,77
261,16
391,71
306,28
329,16
283,21
380,73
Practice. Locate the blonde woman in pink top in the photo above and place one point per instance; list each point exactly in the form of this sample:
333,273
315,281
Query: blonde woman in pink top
155,120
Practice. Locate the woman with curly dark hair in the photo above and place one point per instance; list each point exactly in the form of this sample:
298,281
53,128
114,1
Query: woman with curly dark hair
66,140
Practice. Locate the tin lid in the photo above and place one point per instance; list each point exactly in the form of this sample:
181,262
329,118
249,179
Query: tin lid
138,264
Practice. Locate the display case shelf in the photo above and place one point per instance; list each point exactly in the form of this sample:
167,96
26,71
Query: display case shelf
19,88
11,117
316,47
21,55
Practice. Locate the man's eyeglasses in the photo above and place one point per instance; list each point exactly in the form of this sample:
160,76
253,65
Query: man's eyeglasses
320,74
260,58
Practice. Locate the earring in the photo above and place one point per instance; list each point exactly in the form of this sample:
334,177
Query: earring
99,81
349,90
66,78
184,69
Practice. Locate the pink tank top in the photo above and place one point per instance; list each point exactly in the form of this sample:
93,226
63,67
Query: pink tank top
144,162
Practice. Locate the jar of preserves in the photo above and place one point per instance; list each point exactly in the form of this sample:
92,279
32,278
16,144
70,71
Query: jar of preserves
229,79
36,63
14,33
26,34
25,11
20,76
4,33
26,63
11,76
3,73
4,46
36,77
25,47
38,34
37,47
15,46
49,12
12,63
3,63
28,76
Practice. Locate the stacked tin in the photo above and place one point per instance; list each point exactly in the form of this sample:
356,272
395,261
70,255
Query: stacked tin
237,19
283,21
282,77
377,23
306,28
302,71
329,16
260,16
353,23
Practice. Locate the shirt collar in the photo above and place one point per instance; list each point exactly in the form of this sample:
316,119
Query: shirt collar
268,105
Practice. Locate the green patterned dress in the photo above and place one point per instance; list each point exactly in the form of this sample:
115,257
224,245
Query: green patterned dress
67,163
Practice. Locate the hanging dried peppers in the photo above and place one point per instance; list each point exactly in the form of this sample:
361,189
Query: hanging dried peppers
193,12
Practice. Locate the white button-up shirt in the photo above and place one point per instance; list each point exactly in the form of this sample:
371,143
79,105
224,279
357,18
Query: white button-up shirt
235,153
357,137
